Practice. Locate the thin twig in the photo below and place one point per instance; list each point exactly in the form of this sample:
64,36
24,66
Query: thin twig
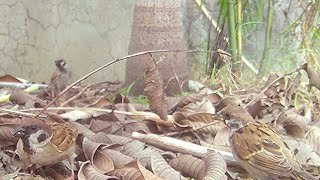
21,85
10,111
75,96
190,130
85,109
176,76
232,79
108,64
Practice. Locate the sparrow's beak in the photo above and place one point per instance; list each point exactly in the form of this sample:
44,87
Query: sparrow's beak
218,116
20,131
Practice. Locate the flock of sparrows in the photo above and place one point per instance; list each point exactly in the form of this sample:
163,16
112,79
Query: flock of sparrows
255,146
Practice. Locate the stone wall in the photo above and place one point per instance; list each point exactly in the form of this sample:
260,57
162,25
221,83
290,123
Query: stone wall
88,34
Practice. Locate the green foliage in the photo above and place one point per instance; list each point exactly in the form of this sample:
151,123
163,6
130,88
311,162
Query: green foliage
297,41
126,90
252,16
212,78
223,10
182,94
258,9
315,33
140,100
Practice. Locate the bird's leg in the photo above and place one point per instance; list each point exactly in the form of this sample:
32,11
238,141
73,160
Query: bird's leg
32,169
71,161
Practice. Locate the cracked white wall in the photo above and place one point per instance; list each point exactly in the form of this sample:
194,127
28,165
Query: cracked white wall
88,34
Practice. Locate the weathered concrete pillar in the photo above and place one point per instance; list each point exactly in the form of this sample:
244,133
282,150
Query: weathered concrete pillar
157,24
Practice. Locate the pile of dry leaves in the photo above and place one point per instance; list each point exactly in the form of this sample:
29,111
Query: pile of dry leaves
171,138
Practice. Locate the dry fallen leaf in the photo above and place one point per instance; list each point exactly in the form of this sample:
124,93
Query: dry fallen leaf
192,98
212,166
133,170
154,90
117,157
161,168
21,97
21,176
100,161
204,106
313,138
215,166
87,172
227,101
302,151
189,166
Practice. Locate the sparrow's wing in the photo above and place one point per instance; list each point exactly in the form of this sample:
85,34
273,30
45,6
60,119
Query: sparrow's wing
254,144
55,75
64,136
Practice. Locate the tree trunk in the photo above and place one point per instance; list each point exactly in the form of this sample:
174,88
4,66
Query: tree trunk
157,24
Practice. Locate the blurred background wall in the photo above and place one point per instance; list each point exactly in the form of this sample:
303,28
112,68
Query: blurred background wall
34,33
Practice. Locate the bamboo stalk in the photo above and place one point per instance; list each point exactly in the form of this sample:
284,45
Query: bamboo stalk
232,31
207,14
239,30
266,52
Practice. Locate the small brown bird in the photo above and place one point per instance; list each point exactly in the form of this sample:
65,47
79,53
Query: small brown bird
262,152
60,77
44,144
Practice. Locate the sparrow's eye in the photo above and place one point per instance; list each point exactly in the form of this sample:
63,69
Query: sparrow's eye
34,127
19,131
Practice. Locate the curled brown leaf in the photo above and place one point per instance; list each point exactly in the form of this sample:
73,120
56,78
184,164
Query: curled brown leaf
192,98
87,172
154,90
189,166
21,97
161,168
100,161
313,138
215,167
133,170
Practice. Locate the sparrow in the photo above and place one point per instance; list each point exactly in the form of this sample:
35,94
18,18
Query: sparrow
60,77
45,143
261,151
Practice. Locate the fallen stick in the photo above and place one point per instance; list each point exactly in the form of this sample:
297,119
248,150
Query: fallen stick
176,145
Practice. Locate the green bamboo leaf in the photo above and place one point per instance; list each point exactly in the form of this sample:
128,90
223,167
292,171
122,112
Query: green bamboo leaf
259,9
222,11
